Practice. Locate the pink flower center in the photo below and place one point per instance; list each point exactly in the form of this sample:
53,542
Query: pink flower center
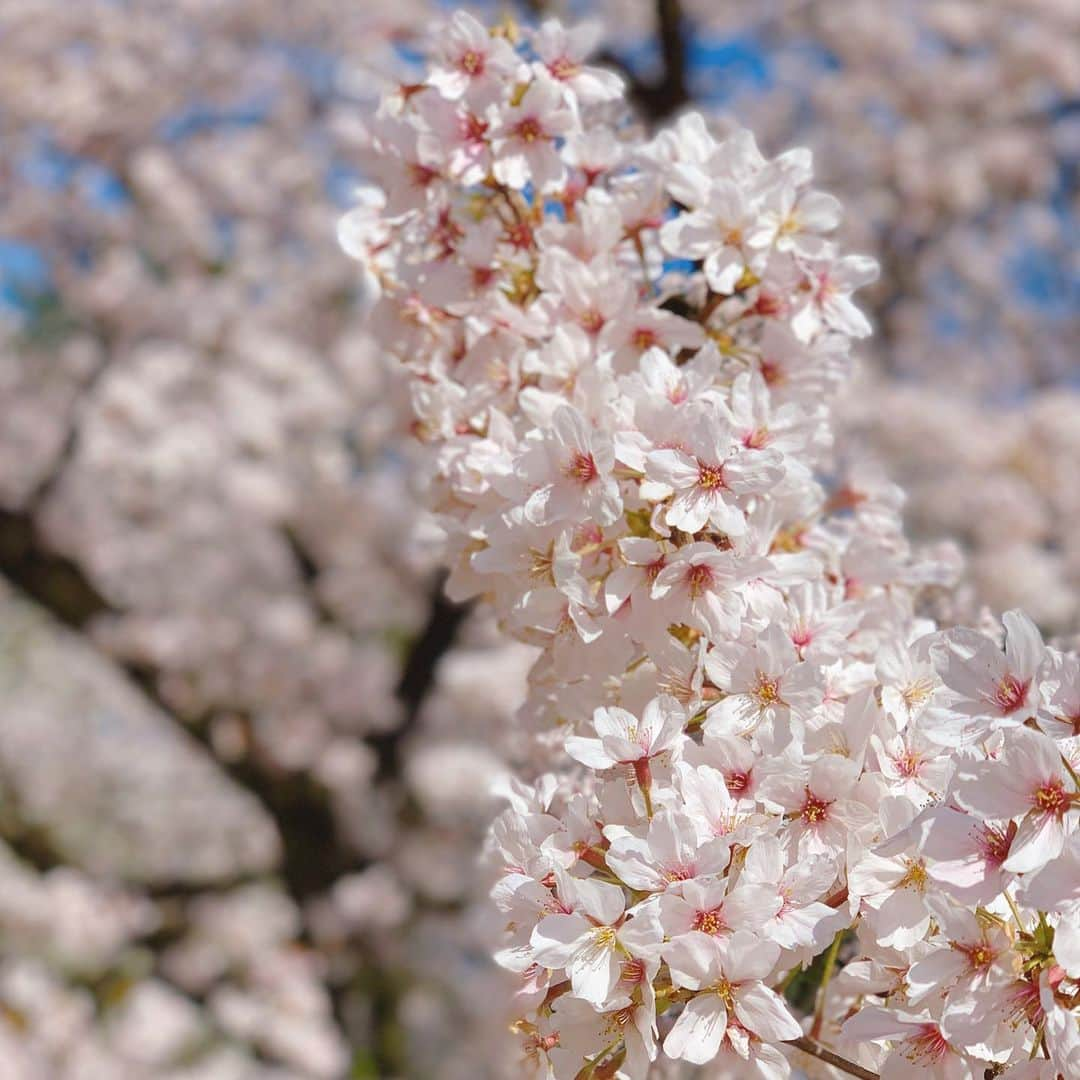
928,1046
815,809
421,175
472,62
643,338
979,956
766,691
520,235
1010,694
710,477
709,922
652,571
1052,799
772,372
529,129
757,439
473,128
581,468
993,843
563,68
908,764
699,579
737,781
592,321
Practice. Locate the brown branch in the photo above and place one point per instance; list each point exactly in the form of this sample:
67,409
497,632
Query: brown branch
808,1046
314,852
659,100
418,676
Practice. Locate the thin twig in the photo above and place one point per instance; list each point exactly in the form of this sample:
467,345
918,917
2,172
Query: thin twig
808,1046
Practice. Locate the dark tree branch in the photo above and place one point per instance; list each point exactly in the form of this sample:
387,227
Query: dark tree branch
314,853
659,100
418,675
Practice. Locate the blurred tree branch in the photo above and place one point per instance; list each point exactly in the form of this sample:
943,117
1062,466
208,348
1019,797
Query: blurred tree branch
660,99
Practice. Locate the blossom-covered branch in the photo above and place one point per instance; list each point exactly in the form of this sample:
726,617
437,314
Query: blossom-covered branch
750,735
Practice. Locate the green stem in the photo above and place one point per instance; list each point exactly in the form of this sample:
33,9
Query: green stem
826,975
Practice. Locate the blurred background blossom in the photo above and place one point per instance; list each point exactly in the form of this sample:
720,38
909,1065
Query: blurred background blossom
247,751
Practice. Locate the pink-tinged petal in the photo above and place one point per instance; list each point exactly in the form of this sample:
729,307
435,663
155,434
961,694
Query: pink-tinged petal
621,749
557,937
615,721
595,969
1058,885
1040,839
723,269
699,1030
762,1011
663,719
818,211
671,467
604,902
832,777
750,906
694,960
981,788
1033,759
747,957
874,1023
935,972
1067,941
589,752
753,472
873,875
902,919
1024,646
727,517
690,510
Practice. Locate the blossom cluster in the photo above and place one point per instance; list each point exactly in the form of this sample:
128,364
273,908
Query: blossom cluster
753,736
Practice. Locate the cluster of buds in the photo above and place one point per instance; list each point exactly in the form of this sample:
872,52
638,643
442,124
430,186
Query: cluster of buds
754,743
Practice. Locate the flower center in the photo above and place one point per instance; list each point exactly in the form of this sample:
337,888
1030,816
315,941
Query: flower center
529,129
1010,694
471,62
917,693
908,764
711,477
726,992
979,957
1051,798
474,128
994,843
709,922
604,937
815,809
421,175
766,691
928,1046
772,372
916,876
592,322
581,468
563,68
699,579
737,781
